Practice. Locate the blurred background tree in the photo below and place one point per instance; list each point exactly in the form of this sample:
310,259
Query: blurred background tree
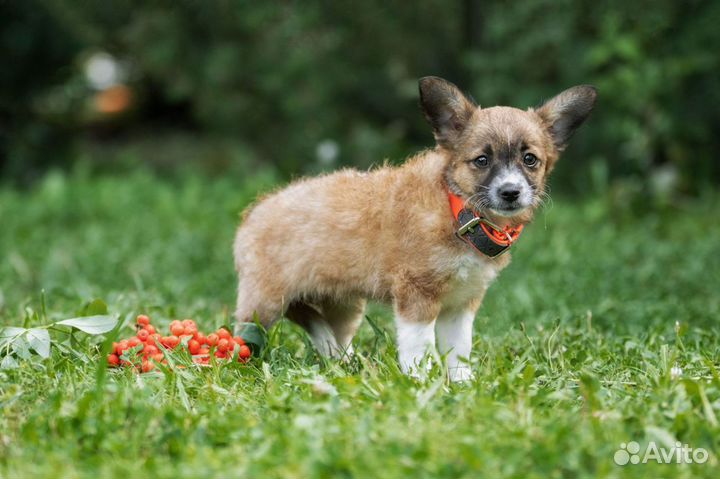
299,87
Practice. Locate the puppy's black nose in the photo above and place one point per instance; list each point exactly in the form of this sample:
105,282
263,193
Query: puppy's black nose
509,192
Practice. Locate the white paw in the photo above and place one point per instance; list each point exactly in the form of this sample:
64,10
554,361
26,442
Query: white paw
460,374
415,340
415,370
346,354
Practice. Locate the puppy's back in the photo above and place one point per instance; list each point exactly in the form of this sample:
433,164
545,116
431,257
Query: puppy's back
315,231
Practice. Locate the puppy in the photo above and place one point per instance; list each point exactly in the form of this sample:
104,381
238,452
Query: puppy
428,236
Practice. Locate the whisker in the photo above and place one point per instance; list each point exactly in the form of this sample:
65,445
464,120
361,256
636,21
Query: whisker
470,199
481,203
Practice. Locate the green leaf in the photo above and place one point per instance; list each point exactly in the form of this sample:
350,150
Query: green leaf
91,324
379,332
96,307
10,334
182,393
8,362
252,334
691,388
529,374
39,340
132,353
21,347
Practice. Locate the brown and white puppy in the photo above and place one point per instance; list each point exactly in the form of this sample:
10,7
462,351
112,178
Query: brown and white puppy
316,250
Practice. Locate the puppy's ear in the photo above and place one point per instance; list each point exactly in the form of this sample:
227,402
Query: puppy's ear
446,108
564,113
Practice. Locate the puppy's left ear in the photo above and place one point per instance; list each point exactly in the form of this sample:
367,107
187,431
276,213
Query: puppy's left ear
564,113
446,109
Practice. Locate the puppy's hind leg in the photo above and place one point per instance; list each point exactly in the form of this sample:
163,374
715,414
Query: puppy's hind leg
312,320
344,318
331,324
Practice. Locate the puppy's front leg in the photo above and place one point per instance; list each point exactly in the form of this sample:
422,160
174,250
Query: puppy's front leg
454,334
415,333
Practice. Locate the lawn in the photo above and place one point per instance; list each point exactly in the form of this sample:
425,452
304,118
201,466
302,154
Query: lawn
603,330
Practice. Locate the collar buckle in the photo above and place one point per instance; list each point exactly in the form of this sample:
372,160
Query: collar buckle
469,226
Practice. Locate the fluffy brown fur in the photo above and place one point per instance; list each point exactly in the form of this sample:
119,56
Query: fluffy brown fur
317,249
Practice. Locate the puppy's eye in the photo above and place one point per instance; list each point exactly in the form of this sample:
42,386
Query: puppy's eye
529,159
481,161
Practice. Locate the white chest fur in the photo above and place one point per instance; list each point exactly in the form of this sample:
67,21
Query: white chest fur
471,275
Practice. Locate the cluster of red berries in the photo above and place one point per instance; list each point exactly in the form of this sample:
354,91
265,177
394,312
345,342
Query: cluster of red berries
185,334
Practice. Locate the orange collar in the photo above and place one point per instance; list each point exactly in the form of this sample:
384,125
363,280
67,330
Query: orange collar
489,239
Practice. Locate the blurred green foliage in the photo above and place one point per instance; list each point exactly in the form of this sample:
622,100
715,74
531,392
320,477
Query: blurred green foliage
311,85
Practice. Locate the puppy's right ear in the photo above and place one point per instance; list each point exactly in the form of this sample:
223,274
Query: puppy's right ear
446,108
564,113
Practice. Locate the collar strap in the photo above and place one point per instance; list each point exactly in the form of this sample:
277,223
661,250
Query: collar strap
479,232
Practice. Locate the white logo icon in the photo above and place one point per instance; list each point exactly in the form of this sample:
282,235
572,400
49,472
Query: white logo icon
627,453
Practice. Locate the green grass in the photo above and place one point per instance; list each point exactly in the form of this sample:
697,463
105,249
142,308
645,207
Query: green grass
574,349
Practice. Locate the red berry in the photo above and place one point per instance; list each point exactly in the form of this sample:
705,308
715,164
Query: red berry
191,330
158,357
223,345
200,338
193,346
220,354
122,346
212,339
238,340
143,320
223,333
150,329
149,350
201,360
177,330
173,341
143,335
134,341
244,352
147,366
188,323
113,360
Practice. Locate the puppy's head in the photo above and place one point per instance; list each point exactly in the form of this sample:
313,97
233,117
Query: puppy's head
499,157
